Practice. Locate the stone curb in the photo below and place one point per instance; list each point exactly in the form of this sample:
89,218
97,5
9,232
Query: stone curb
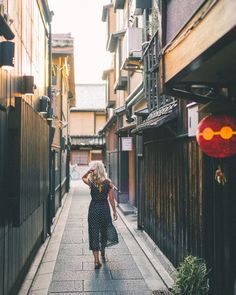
34,268
143,240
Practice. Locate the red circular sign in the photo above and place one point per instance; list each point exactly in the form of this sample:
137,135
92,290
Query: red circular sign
216,136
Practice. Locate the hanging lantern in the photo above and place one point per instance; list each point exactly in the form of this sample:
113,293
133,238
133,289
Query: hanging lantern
216,136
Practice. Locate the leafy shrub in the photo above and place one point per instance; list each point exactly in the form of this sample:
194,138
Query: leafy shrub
191,277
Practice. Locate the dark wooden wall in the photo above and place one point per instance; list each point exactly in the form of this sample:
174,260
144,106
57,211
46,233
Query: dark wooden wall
3,158
173,206
220,225
183,209
24,198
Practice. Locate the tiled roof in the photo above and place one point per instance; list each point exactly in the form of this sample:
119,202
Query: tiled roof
62,44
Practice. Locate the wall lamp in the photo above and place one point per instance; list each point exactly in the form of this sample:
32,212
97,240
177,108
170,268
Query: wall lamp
28,85
7,53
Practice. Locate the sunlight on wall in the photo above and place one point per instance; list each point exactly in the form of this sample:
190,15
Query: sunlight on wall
83,20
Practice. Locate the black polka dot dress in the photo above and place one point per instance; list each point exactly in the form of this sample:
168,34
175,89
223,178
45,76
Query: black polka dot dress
101,231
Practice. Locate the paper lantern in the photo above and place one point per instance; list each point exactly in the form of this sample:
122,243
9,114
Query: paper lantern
216,136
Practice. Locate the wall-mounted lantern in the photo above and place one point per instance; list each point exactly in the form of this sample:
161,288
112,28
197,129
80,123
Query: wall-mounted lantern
28,85
7,52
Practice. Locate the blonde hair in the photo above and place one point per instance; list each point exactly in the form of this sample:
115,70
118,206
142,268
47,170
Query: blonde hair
99,174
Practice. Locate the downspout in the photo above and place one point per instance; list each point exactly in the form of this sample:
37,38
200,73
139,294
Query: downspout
60,172
51,189
133,98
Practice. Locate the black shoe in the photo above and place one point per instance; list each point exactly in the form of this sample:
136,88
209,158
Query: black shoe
103,255
97,265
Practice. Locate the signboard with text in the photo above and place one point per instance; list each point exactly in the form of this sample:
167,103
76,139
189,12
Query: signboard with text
126,144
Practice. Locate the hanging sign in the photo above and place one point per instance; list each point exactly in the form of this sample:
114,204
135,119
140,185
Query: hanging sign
126,143
216,136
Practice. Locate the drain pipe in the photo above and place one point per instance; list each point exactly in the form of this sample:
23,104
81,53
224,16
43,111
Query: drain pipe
51,188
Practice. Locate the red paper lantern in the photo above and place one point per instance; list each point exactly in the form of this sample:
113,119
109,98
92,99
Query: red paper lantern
216,136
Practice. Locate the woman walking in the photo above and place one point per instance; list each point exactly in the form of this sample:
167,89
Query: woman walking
101,231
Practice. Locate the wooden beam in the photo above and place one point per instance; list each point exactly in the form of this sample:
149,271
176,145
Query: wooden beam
193,40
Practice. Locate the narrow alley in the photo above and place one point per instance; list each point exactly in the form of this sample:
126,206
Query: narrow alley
67,265
138,99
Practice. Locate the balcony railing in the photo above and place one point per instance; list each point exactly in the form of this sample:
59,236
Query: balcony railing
152,77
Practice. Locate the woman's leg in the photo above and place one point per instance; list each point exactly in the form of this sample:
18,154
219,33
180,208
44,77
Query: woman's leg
96,259
94,244
103,241
103,255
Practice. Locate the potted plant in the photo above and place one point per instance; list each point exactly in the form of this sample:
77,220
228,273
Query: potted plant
191,277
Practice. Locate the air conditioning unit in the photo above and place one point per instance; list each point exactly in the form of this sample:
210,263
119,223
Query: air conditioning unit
132,48
144,4
119,4
139,5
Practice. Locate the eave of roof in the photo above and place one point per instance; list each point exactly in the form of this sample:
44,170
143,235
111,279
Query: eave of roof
113,40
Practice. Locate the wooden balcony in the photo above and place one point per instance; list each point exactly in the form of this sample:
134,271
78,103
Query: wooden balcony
205,49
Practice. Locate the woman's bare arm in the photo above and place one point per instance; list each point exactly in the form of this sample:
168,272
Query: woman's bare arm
112,201
85,176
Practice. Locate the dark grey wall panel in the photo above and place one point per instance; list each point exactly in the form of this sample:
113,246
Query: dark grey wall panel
178,13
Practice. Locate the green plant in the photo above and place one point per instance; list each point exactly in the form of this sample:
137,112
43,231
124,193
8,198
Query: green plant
191,277
152,24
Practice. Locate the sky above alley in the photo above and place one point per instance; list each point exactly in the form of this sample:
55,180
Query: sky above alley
82,18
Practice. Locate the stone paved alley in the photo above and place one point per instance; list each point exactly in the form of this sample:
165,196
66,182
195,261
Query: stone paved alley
67,265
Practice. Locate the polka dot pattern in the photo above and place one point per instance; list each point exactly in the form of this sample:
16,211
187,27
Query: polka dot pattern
101,231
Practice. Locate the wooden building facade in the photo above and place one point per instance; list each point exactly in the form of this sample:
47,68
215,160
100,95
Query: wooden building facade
188,63
124,86
86,120
202,71
24,137
62,99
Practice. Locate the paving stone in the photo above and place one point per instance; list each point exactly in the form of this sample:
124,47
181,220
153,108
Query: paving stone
118,251
74,271
85,293
73,233
71,245
121,264
134,292
115,285
118,257
78,258
66,286
73,251
82,275
126,274
68,265
71,240
130,285
90,266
